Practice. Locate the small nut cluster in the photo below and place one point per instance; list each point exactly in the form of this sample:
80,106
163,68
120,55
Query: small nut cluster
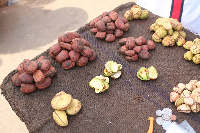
72,50
136,13
100,83
186,97
135,48
194,51
34,74
109,26
168,31
64,105
147,73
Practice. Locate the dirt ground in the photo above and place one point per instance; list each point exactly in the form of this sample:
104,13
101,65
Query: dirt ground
29,27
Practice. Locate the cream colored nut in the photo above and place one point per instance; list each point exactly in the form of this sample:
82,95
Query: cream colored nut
198,84
195,107
174,96
74,107
136,11
168,41
128,14
178,90
170,32
190,86
186,93
144,14
196,41
196,95
175,35
181,86
189,101
188,55
61,101
196,59
182,33
154,27
180,41
60,117
184,108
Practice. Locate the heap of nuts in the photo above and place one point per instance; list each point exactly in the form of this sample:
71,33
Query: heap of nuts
136,13
135,48
168,31
186,97
72,50
64,105
108,26
194,50
34,74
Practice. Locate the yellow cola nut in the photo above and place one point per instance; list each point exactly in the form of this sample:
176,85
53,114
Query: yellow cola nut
60,117
74,107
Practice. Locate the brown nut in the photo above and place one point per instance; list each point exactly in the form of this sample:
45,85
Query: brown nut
15,79
68,64
67,46
55,49
106,19
137,49
93,56
62,56
123,41
119,24
144,54
20,67
50,73
110,32
43,63
74,56
38,76
101,26
46,83
110,38
87,52
30,66
69,36
130,43
123,19
119,33
151,44
94,30
85,42
132,58
100,35
144,41
130,52
110,26
138,41
26,78
113,15
127,26
82,61
27,88
144,47
123,49
77,45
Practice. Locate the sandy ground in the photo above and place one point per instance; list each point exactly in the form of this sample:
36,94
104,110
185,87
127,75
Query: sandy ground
29,27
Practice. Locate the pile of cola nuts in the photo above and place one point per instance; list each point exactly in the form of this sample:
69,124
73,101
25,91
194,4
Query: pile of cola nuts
186,96
72,50
34,74
135,48
109,26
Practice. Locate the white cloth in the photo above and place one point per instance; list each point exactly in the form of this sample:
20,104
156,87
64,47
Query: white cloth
191,12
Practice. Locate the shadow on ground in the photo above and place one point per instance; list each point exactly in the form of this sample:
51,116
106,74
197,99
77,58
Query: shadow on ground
30,28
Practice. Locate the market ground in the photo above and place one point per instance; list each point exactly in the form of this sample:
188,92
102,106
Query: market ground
29,27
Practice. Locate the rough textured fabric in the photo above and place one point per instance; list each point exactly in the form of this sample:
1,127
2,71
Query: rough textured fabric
126,105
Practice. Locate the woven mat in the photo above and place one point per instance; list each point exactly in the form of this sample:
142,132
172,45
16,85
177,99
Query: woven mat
126,105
